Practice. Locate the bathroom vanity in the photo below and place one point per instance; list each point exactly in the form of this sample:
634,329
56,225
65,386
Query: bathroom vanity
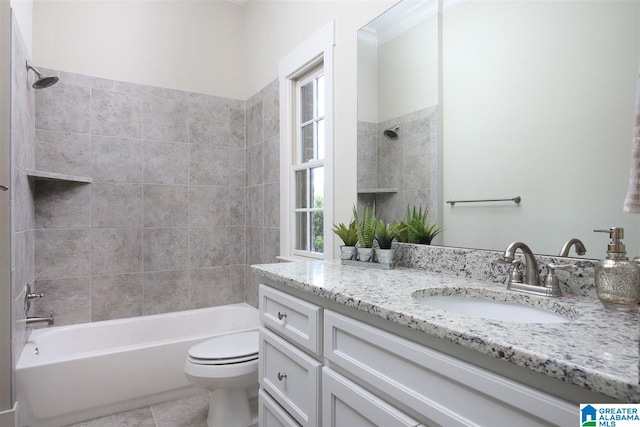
344,345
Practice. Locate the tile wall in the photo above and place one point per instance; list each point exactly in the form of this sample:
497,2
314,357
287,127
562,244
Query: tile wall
409,163
22,207
162,226
263,183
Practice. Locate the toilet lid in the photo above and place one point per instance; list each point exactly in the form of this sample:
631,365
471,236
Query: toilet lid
243,345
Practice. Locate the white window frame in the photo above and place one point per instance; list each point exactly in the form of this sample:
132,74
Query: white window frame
318,49
298,155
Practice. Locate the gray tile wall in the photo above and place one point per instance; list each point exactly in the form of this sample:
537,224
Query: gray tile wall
22,207
263,183
367,155
162,226
409,163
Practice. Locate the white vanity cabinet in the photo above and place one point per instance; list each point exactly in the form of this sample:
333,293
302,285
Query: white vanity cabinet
289,368
271,414
442,389
345,404
329,369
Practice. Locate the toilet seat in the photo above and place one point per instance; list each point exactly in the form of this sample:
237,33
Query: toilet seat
226,366
233,361
226,349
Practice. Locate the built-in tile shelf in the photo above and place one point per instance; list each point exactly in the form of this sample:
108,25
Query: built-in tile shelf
52,176
377,190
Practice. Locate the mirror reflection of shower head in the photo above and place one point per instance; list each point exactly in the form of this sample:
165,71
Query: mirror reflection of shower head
392,133
41,82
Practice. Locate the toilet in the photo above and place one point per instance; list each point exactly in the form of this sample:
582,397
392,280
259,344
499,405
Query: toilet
227,366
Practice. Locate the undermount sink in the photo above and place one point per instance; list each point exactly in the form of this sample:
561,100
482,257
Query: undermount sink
489,305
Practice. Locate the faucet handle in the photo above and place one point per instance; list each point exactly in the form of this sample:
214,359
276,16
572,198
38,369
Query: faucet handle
551,280
516,273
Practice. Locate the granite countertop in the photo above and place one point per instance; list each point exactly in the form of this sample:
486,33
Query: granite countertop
597,350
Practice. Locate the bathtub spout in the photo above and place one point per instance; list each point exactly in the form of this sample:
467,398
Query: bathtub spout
47,320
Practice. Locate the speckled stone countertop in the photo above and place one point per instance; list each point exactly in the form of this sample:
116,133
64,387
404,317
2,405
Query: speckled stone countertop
597,350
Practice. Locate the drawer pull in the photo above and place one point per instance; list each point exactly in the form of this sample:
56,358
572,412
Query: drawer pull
281,376
281,315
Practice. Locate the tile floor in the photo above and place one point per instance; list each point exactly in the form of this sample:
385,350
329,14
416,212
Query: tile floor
187,412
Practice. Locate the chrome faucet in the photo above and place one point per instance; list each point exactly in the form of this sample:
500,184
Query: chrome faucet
33,320
531,265
580,249
28,296
550,288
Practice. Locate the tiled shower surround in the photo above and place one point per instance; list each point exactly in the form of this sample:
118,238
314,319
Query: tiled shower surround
263,183
164,225
409,163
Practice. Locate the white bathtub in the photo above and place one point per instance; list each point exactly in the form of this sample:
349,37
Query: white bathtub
95,369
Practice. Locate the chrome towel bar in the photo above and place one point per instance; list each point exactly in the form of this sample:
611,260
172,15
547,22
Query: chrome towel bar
515,199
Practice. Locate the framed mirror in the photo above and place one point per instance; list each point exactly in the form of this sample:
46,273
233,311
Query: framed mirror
398,109
536,99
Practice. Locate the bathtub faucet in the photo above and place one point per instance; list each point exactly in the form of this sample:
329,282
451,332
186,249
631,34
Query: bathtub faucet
35,320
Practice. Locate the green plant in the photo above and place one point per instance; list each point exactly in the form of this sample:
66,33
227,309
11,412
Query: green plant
318,225
385,233
348,235
402,234
366,227
418,229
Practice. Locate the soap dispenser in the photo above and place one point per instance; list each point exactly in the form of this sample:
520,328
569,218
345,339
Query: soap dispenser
617,278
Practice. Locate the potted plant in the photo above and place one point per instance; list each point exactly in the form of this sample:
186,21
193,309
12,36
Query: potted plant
366,231
385,233
402,234
349,238
418,230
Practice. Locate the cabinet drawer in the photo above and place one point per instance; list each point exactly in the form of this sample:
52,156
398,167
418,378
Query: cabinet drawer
291,317
270,414
347,404
291,377
444,390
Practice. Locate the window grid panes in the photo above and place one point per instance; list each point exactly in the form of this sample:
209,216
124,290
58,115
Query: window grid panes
308,166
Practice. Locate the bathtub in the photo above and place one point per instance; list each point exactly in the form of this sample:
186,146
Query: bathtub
68,374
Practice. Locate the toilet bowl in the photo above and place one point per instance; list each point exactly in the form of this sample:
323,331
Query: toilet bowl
227,366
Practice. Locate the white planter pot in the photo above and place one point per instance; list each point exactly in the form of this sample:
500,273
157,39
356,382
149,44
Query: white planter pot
385,256
364,254
347,252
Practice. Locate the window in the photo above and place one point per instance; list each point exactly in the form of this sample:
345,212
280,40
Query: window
306,149
307,168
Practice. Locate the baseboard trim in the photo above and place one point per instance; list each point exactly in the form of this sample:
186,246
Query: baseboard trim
9,418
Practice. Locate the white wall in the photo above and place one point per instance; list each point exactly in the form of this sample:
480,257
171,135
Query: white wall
23,11
194,46
539,102
367,82
408,71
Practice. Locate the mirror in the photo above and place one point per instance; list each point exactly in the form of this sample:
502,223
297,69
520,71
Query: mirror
536,100
398,92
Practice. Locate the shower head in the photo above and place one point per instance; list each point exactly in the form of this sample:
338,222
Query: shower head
392,133
41,82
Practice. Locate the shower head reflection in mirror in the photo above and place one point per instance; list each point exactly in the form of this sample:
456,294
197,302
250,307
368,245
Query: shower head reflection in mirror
42,81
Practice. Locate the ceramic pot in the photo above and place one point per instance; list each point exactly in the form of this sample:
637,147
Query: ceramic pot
364,254
347,252
385,256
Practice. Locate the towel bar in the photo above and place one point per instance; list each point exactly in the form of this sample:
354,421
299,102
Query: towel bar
515,199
